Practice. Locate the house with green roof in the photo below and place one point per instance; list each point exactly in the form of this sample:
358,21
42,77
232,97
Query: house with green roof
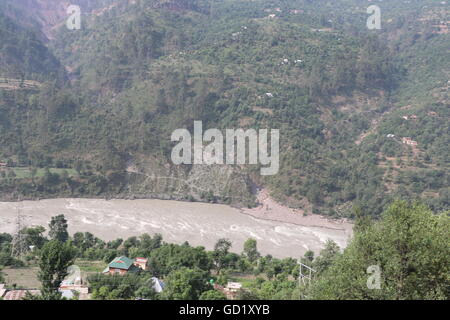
121,265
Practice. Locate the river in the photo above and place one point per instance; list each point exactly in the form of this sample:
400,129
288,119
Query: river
198,223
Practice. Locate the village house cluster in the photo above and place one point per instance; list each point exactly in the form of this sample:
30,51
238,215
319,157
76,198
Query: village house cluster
77,288
411,117
279,10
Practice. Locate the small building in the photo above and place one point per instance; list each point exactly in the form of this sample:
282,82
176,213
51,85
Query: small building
411,117
3,164
269,94
231,290
74,285
121,265
141,263
233,286
409,141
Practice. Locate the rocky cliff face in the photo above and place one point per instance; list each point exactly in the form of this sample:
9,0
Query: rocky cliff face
218,183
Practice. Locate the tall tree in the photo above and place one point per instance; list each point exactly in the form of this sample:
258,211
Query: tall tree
327,256
54,260
221,250
251,250
58,228
2,279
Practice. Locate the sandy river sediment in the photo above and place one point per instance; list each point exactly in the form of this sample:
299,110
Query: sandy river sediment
198,223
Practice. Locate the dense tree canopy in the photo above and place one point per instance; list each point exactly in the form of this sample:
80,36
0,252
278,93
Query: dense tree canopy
411,247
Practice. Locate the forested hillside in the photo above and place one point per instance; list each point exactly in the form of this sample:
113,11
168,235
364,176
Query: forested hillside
343,97
22,53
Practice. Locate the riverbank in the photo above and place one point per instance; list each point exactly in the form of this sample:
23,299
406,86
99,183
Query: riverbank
269,209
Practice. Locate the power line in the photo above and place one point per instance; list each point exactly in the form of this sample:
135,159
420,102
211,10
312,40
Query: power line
18,248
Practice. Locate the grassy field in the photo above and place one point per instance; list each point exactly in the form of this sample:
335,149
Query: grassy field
90,267
247,280
22,277
27,277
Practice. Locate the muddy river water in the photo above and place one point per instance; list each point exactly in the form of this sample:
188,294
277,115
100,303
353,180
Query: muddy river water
198,223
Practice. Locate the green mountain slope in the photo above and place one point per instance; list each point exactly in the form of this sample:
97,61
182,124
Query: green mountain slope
136,72
23,54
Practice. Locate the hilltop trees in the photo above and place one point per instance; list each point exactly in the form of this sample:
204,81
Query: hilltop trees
164,69
411,247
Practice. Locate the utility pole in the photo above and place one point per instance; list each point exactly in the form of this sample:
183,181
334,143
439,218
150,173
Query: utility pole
18,243
306,274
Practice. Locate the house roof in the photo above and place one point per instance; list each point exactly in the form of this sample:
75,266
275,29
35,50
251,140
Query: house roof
121,263
19,294
234,285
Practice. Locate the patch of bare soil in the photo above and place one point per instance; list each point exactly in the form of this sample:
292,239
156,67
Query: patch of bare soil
270,209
